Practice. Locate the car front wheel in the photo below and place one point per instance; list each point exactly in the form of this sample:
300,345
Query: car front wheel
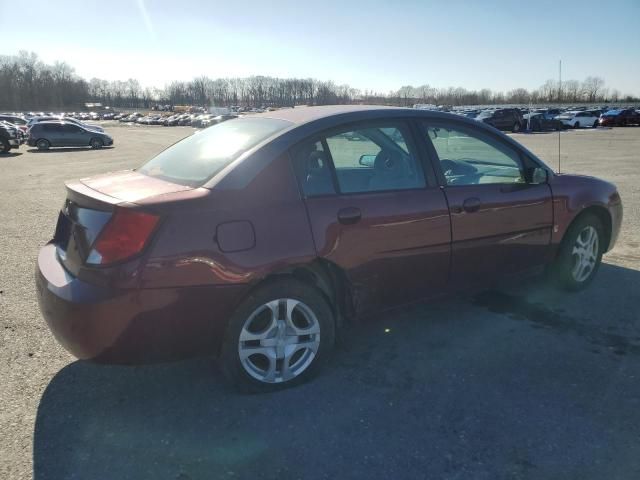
4,146
580,254
279,337
96,143
43,144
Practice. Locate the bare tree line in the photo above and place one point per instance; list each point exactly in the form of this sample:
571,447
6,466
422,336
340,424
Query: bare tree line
28,83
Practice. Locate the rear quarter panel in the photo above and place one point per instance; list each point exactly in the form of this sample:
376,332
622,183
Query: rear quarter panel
187,252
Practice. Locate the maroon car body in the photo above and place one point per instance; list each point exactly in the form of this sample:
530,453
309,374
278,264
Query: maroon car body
619,118
217,241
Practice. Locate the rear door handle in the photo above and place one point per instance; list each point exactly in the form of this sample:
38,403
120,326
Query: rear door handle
471,205
349,215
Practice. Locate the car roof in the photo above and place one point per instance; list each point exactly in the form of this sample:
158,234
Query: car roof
56,122
300,115
309,121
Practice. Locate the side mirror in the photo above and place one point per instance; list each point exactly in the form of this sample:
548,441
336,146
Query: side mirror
538,175
367,160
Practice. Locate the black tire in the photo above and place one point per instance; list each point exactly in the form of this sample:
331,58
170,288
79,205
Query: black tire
230,362
576,125
562,270
595,124
516,127
43,144
4,145
96,143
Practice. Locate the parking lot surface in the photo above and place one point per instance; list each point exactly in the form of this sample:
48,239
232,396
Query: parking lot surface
522,382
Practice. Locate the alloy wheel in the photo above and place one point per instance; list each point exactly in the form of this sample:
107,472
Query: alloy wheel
585,254
279,340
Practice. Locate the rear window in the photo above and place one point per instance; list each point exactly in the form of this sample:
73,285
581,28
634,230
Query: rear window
198,158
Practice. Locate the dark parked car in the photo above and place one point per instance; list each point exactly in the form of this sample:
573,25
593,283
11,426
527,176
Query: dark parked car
538,122
64,134
186,120
19,122
197,122
256,239
549,113
88,126
131,118
212,120
620,118
10,137
509,119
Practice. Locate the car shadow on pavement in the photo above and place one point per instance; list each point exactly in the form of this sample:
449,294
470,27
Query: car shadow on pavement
66,149
10,155
482,385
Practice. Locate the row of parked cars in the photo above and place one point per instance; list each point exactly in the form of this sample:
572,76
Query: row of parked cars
541,119
197,120
44,132
106,114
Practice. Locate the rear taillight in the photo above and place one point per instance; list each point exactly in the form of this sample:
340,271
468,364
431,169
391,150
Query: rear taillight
124,236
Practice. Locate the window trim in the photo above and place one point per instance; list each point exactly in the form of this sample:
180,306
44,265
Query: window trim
415,149
425,124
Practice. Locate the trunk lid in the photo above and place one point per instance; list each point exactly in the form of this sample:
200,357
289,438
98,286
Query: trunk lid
89,206
130,186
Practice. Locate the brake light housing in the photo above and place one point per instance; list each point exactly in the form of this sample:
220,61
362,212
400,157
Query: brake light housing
125,235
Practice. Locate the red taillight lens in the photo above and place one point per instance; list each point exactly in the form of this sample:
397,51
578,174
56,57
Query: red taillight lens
125,235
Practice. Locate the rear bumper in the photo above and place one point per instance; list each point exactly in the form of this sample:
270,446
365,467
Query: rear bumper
134,325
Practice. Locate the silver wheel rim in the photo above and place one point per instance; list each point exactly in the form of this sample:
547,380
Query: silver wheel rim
585,254
279,340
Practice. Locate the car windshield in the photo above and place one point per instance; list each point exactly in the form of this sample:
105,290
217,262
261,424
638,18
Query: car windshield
198,158
485,114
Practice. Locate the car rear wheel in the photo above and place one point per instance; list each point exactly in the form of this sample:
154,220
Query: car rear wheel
4,145
43,144
595,124
96,143
576,125
580,254
279,337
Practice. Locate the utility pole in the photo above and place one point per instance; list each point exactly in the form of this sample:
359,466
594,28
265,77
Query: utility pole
559,101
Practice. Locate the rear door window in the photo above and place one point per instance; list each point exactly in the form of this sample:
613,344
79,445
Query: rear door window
312,166
369,158
375,158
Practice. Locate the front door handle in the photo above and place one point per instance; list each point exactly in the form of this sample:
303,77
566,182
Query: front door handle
349,215
471,205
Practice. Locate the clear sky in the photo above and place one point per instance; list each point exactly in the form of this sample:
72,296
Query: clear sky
380,45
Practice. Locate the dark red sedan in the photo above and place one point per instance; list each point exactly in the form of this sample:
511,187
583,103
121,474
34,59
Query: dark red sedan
257,238
619,118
